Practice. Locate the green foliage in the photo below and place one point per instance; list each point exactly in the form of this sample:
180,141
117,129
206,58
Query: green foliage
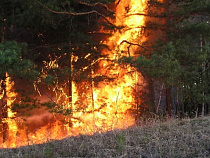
161,65
48,151
55,108
12,62
126,60
120,142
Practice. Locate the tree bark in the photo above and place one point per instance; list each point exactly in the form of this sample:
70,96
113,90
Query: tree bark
4,112
203,78
168,101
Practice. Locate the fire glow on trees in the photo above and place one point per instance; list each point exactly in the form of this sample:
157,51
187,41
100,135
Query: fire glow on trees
106,105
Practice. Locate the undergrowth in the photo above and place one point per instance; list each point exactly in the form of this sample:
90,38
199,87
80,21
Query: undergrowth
174,138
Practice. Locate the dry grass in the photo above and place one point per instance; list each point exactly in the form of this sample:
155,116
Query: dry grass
188,138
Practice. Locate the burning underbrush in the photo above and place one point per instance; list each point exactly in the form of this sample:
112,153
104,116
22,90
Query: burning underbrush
174,138
40,126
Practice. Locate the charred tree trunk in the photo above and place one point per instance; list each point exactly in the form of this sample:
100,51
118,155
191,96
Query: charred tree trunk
92,84
70,80
4,112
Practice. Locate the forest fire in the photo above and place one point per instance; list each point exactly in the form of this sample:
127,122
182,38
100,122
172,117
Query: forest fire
106,105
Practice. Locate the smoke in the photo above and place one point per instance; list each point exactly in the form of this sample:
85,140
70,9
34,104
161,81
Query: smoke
38,118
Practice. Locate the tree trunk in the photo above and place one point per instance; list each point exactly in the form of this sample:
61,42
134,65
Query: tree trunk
160,98
92,84
70,80
168,90
168,101
4,111
2,34
203,78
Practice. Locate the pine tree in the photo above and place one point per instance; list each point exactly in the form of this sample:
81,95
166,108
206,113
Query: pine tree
178,33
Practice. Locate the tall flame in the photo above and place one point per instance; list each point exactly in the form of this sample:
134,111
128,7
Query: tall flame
9,121
107,105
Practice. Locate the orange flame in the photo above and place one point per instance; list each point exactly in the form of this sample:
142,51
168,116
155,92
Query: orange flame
107,105
10,98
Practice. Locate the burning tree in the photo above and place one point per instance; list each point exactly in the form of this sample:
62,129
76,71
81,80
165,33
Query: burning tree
83,78
177,34
95,62
11,65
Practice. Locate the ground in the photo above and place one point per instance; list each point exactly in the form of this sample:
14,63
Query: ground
173,138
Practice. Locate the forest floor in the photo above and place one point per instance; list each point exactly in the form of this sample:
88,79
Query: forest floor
189,138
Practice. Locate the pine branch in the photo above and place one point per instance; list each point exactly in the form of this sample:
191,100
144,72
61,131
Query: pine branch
118,2
132,44
80,13
95,4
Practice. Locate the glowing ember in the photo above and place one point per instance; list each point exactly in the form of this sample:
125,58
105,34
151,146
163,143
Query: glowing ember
106,106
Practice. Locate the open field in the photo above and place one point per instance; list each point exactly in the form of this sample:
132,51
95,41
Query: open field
174,138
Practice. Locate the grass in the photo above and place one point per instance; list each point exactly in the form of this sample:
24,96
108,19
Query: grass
188,138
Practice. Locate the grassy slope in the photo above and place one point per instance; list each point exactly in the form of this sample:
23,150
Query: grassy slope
187,138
